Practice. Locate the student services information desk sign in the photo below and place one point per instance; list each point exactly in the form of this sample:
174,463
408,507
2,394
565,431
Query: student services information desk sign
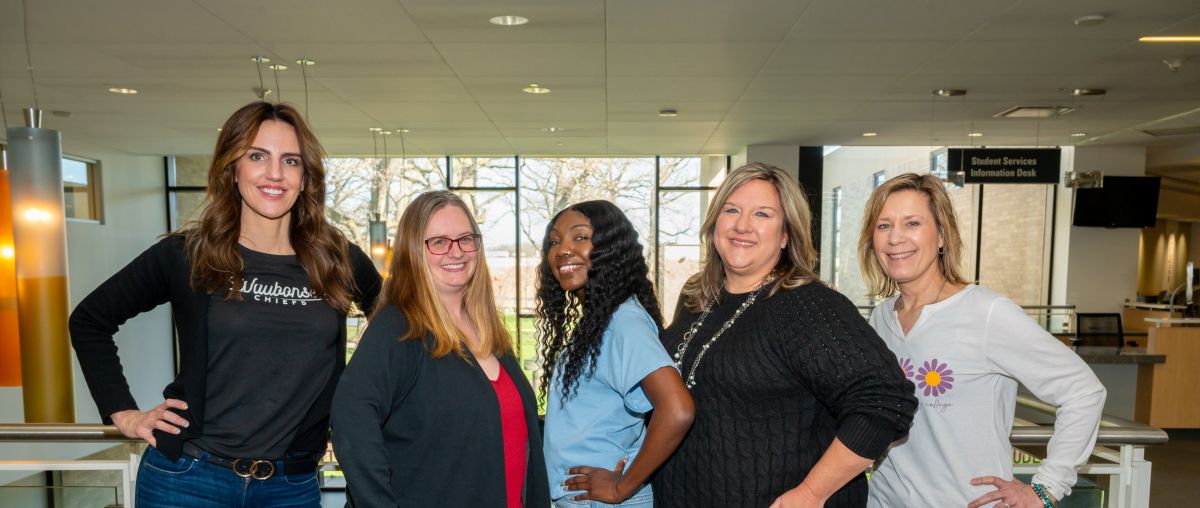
1006,165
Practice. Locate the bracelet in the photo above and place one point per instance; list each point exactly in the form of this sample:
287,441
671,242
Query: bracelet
1041,493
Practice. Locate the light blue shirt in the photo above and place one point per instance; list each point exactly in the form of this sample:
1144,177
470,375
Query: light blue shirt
603,420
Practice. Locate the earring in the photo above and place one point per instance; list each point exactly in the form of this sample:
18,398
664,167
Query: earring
941,250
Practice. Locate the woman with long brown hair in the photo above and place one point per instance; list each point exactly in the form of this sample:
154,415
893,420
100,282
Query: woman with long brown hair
433,409
259,288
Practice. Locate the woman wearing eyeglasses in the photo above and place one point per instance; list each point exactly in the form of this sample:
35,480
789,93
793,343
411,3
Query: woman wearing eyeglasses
433,409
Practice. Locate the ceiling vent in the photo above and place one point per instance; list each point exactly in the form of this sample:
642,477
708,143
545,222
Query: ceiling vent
1034,112
1174,131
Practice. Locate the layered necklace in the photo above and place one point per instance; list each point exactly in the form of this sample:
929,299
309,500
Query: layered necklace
681,350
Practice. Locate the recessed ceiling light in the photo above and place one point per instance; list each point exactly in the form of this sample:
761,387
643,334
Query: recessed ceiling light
218,129
509,20
123,91
560,143
277,67
1078,92
668,113
870,134
1170,38
535,88
259,59
1078,134
375,129
552,129
403,131
386,133
305,62
974,134
1090,20
949,92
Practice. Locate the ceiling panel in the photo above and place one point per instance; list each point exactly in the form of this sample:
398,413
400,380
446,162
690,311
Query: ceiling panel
546,112
531,62
667,90
311,21
689,59
859,58
890,21
701,20
384,88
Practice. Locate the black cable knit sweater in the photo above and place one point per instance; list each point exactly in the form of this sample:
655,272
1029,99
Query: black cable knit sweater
795,371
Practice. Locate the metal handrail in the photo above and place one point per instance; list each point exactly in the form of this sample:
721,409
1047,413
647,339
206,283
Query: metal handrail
24,432
1113,430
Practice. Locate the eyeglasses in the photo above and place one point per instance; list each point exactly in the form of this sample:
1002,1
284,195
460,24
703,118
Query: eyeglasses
439,245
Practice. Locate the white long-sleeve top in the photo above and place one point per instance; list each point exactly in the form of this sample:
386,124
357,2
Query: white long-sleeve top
966,355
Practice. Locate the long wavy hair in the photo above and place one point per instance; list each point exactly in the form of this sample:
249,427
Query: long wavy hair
942,210
410,286
211,242
568,332
797,263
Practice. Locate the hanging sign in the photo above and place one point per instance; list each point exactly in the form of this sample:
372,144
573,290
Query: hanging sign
1006,165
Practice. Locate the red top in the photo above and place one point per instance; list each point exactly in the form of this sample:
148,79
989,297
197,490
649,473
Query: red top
516,436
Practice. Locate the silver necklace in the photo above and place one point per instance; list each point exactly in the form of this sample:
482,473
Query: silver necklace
681,350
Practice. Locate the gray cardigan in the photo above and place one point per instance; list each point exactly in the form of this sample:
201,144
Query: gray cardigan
412,430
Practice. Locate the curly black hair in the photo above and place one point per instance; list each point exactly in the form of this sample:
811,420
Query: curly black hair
571,333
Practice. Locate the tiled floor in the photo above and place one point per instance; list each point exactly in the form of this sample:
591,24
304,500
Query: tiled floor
1175,479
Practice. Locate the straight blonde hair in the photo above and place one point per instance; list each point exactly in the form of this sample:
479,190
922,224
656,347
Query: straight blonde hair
796,265
944,217
410,286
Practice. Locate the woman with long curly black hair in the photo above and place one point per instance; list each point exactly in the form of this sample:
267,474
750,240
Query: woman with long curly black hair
604,368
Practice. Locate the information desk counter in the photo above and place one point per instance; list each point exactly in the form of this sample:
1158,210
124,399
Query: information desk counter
1167,392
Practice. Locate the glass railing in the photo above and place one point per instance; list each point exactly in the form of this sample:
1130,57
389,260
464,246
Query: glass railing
1116,475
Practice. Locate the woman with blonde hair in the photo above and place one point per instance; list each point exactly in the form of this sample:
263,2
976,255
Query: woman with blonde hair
795,395
966,347
433,409
259,290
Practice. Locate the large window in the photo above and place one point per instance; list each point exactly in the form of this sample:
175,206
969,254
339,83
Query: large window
513,198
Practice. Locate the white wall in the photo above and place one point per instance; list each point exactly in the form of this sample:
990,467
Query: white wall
786,157
1095,268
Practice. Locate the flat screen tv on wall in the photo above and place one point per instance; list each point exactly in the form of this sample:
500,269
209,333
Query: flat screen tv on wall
1123,202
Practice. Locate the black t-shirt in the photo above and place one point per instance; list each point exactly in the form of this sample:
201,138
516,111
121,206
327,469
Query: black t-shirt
269,357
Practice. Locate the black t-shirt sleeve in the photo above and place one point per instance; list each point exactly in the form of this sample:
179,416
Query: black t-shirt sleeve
366,279
849,369
140,286
378,376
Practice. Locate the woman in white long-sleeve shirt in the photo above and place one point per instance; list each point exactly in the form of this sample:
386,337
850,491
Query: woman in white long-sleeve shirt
965,347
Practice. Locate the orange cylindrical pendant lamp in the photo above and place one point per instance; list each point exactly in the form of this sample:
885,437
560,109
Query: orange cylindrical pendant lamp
10,335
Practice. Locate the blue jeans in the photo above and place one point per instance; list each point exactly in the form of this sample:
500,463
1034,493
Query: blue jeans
640,500
194,483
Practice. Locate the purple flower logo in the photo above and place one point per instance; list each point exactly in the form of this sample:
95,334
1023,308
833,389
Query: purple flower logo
906,366
934,378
